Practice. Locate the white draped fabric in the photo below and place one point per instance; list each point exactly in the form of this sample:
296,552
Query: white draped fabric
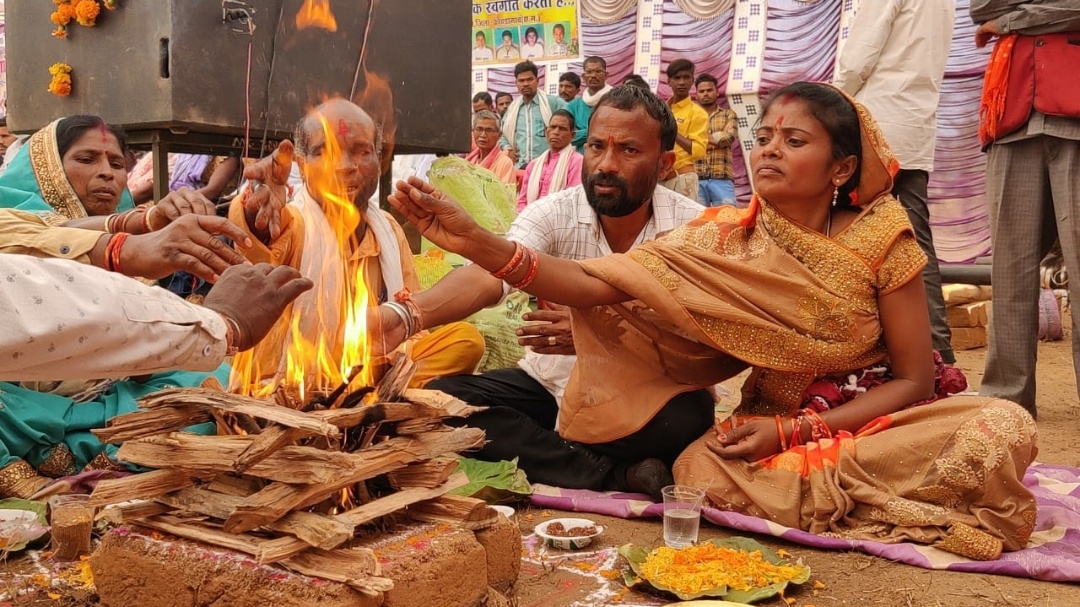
603,12
703,10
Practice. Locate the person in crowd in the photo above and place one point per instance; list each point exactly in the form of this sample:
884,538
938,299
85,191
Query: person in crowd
569,86
78,179
693,130
812,296
209,176
596,86
716,173
1030,125
152,332
525,121
502,102
557,168
73,172
559,47
482,52
482,101
487,152
894,63
618,206
77,333
6,138
533,46
636,80
292,229
508,50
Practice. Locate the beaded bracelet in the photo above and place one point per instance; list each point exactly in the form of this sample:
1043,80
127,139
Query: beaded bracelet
534,266
513,265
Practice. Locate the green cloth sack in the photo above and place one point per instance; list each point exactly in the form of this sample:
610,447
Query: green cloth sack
491,202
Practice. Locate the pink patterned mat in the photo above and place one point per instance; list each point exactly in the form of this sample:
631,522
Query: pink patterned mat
1053,554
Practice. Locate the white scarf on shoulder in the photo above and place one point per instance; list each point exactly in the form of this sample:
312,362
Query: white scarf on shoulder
511,117
558,178
592,100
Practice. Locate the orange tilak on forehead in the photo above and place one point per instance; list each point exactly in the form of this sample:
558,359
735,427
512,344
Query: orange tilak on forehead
780,123
104,133
342,128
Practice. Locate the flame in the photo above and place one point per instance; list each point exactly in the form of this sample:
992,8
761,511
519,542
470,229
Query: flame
316,365
377,99
316,13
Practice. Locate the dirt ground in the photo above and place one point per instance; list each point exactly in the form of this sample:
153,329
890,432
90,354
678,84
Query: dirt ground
590,578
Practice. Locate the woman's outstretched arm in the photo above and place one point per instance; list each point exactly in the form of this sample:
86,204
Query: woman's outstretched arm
445,223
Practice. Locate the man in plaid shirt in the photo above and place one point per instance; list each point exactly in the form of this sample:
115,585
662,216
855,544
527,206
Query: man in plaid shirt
715,173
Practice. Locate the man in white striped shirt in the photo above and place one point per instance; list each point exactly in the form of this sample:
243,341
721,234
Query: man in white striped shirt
618,207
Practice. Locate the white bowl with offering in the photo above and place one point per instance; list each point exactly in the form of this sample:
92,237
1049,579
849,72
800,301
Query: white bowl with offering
568,533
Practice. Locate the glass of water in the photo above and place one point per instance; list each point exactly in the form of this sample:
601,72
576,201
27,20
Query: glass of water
682,515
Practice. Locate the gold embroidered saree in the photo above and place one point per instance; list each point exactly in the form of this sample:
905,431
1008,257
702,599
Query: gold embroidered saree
731,290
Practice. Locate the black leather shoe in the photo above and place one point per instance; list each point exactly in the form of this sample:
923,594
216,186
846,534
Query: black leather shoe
649,476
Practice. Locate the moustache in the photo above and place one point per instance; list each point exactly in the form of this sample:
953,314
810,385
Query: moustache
607,179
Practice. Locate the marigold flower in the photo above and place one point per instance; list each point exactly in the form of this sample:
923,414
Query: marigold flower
110,4
86,12
60,32
59,68
61,79
60,88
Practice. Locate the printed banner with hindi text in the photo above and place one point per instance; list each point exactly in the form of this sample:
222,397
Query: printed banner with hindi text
505,32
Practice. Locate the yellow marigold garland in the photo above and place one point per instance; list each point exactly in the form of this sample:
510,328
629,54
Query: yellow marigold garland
83,12
694,569
61,79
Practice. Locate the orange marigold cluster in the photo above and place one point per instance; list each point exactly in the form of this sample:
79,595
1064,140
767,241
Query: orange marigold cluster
86,12
61,79
83,12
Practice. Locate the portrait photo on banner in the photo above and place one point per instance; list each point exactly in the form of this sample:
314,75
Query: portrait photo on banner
508,31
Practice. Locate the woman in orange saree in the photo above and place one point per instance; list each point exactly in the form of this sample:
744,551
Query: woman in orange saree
820,276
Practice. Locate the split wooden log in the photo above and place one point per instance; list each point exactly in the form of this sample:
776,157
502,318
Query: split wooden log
267,442
466,512
277,499
240,405
312,529
141,486
391,504
131,512
138,424
396,380
398,500
437,399
356,567
210,454
428,474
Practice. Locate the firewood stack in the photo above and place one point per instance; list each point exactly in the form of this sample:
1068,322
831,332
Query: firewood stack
295,487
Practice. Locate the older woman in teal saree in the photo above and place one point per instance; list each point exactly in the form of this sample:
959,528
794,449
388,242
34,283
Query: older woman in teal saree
72,173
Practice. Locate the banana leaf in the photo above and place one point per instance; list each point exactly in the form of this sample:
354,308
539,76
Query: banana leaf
493,482
636,556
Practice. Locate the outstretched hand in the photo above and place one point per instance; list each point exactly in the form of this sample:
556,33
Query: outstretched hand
438,217
255,296
268,191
